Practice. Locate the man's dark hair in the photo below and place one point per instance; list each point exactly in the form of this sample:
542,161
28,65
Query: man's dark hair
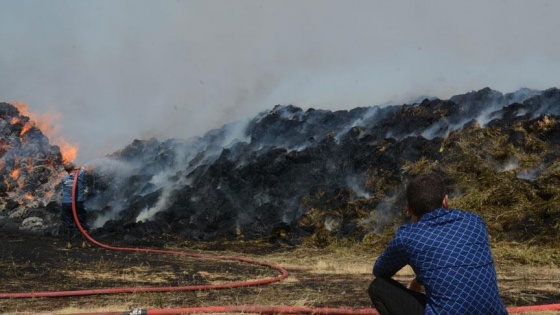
69,167
425,193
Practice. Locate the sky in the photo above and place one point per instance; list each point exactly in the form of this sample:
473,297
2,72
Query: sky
118,70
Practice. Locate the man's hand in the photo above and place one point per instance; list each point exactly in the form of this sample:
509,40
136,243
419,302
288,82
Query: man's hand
415,285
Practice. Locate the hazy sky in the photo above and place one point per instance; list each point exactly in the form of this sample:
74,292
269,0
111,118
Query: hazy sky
120,70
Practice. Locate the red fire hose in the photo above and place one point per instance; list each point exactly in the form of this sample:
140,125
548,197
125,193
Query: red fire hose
292,310
283,272
212,309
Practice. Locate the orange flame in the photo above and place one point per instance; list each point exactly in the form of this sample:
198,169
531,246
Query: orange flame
15,174
30,124
46,123
69,151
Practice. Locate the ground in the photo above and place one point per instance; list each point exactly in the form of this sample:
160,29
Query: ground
332,277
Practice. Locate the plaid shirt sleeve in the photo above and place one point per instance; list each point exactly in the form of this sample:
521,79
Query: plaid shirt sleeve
393,258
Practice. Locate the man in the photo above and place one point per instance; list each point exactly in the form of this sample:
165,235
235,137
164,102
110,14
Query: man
449,253
69,228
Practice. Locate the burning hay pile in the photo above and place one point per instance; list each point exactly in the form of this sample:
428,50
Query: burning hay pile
291,175
29,168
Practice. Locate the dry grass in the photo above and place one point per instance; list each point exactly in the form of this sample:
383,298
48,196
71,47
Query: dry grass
335,276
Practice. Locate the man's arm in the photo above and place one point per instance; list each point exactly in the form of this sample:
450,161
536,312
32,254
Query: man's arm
415,285
391,260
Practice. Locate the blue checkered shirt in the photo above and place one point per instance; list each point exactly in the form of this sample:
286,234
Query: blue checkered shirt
450,254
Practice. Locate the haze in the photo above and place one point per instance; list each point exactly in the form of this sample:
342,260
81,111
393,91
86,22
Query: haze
116,71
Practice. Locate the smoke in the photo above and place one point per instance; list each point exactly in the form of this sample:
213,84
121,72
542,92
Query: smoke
367,119
210,146
163,201
380,217
118,173
510,165
235,132
487,115
439,129
286,127
333,223
354,183
531,174
132,69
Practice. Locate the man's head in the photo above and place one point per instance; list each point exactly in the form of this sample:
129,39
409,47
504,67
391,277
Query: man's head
426,193
69,167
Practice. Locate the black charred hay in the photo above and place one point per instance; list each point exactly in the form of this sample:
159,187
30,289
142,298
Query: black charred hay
290,175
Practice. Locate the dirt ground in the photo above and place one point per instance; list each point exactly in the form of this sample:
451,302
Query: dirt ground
318,277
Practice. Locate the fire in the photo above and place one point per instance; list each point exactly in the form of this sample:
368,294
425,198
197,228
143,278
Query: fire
30,124
15,174
69,151
46,123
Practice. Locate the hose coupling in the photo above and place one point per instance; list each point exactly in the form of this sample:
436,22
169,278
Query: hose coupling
137,311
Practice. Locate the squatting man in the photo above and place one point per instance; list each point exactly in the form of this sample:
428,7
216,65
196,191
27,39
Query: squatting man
449,252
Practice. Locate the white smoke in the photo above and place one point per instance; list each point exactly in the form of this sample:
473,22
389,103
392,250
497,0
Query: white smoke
163,201
522,94
333,223
521,112
367,119
439,129
211,146
163,181
105,169
510,165
234,133
487,114
200,67
531,174
382,215
353,183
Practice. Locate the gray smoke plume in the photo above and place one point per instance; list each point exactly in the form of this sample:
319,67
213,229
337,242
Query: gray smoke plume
115,71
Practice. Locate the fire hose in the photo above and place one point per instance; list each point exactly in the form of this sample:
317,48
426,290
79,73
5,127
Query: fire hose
259,309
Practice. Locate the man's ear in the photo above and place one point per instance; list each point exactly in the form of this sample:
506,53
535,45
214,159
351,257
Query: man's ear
445,202
409,209
411,212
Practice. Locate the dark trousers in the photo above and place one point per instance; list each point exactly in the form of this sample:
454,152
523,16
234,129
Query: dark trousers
69,228
392,298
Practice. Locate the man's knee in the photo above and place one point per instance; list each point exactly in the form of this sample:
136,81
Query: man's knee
377,290
380,289
376,287
390,297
